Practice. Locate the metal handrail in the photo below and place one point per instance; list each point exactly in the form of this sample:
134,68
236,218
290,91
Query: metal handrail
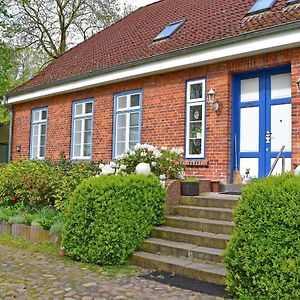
280,155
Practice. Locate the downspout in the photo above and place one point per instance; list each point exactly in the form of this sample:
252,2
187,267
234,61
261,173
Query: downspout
10,127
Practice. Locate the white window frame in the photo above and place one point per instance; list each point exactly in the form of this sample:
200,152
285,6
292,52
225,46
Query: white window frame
39,123
195,102
127,111
82,117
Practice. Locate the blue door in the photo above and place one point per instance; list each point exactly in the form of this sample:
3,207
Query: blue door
262,120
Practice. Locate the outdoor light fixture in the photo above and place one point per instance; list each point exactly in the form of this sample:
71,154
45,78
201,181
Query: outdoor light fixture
18,148
211,99
298,84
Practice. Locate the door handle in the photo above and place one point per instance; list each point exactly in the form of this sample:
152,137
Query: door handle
268,137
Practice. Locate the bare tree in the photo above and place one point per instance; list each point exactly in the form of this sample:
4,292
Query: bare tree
52,26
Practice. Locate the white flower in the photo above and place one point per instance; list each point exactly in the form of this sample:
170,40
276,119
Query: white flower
107,170
157,153
181,175
153,164
97,175
101,166
164,148
123,167
137,146
132,153
127,150
143,153
177,151
112,164
163,183
120,157
162,177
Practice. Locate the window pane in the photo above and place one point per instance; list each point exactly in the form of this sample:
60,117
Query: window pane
36,116
35,130
134,100
77,150
196,113
195,130
87,150
122,102
77,125
121,135
89,108
34,152
132,144
134,134
78,109
43,129
43,140
195,146
88,124
35,141
196,91
42,152
88,137
120,148
121,122
134,119
77,139
44,114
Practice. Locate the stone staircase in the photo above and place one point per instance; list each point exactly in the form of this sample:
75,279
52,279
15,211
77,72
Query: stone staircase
192,239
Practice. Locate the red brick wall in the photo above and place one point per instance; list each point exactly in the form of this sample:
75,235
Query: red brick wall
164,99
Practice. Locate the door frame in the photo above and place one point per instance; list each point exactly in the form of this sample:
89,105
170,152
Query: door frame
264,116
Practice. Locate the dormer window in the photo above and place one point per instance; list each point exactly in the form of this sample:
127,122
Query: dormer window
261,5
169,30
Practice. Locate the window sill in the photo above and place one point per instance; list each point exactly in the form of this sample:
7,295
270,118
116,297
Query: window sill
196,163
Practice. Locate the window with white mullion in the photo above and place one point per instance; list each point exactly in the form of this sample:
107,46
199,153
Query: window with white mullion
39,132
127,122
82,130
195,119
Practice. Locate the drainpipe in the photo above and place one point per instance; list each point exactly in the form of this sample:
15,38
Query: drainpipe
10,128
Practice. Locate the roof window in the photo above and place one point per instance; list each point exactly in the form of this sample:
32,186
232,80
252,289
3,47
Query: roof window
292,1
169,30
261,5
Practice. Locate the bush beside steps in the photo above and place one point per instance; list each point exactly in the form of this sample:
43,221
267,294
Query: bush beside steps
109,217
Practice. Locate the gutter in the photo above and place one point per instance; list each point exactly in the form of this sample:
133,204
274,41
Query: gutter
156,58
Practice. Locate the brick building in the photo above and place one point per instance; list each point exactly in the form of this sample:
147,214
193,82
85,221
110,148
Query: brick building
176,73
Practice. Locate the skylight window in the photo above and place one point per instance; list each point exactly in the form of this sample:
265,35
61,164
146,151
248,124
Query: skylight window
261,5
169,30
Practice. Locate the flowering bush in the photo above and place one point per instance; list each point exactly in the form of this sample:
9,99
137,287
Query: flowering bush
164,163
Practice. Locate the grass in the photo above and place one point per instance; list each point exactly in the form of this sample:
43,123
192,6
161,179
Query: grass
48,249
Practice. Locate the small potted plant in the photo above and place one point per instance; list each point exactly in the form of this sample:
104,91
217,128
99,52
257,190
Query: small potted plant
190,187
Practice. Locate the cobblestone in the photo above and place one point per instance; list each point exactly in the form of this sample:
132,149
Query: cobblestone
30,276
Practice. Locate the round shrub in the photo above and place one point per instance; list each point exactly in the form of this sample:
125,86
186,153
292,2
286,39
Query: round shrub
262,257
109,217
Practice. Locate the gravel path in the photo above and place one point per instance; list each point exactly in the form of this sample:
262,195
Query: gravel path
26,275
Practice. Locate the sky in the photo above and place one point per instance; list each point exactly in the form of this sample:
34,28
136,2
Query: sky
139,3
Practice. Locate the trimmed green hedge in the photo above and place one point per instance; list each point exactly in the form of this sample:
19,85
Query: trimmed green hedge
263,256
109,217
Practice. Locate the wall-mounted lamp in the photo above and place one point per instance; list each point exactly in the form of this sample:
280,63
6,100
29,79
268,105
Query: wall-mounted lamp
211,99
18,148
298,84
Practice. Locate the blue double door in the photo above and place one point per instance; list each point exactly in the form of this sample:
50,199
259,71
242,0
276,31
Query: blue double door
262,120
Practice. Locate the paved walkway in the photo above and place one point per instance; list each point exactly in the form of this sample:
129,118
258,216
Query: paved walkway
25,275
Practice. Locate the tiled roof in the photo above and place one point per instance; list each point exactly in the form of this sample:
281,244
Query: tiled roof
131,38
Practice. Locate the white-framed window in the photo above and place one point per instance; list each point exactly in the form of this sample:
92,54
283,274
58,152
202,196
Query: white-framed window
195,119
82,129
127,121
38,133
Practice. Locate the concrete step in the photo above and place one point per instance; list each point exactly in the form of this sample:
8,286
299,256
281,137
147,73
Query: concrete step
211,200
204,239
213,273
200,224
225,214
183,250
